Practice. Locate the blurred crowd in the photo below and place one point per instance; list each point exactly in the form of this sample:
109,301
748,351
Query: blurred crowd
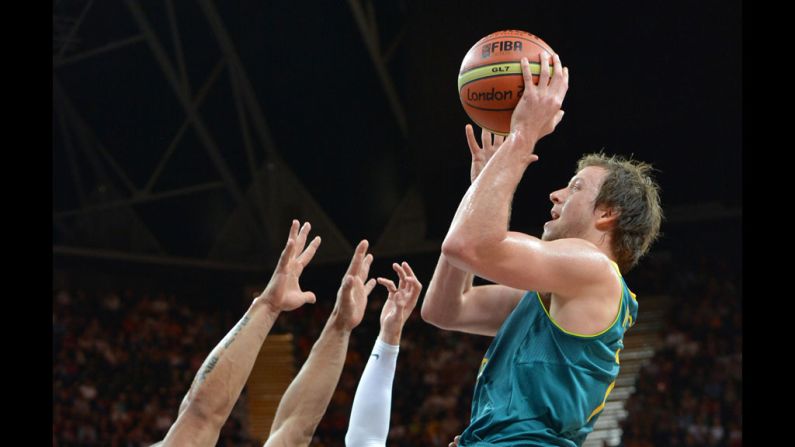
122,363
690,393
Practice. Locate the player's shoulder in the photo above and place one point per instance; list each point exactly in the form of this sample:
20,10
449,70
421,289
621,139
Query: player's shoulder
584,249
577,243
598,273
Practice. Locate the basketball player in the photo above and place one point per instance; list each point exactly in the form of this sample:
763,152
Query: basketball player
559,307
369,423
220,379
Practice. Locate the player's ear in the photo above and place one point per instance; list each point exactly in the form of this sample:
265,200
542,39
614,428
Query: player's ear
606,217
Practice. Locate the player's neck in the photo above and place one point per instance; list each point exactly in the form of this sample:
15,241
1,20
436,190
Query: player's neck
603,241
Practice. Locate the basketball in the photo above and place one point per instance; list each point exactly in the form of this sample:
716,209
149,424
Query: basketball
490,81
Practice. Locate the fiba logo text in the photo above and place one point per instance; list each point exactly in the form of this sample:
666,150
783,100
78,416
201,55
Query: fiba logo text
500,46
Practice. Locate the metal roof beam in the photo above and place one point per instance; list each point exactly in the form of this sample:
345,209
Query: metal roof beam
72,33
195,104
58,63
149,198
369,33
204,135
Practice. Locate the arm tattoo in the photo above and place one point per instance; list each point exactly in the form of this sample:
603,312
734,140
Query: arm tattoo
237,330
207,369
212,361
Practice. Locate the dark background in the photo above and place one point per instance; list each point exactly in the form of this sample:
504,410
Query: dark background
659,81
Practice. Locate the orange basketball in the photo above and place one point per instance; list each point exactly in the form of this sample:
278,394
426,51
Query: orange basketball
490,80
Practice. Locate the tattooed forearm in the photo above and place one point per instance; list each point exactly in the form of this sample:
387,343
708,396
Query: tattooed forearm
213,360
237,330
208,367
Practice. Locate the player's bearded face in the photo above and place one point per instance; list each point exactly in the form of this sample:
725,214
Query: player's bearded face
572,212
571,223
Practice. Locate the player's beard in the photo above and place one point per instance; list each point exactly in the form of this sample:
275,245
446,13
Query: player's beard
551,231
561,229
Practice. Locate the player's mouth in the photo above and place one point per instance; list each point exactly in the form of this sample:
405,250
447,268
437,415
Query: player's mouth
555,216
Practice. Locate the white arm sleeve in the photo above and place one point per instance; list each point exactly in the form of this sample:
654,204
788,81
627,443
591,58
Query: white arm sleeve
369,424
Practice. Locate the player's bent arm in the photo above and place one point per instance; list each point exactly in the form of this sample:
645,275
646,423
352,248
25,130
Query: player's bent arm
451,303
567,267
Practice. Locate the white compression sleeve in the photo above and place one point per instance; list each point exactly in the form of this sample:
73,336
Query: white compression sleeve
369,424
